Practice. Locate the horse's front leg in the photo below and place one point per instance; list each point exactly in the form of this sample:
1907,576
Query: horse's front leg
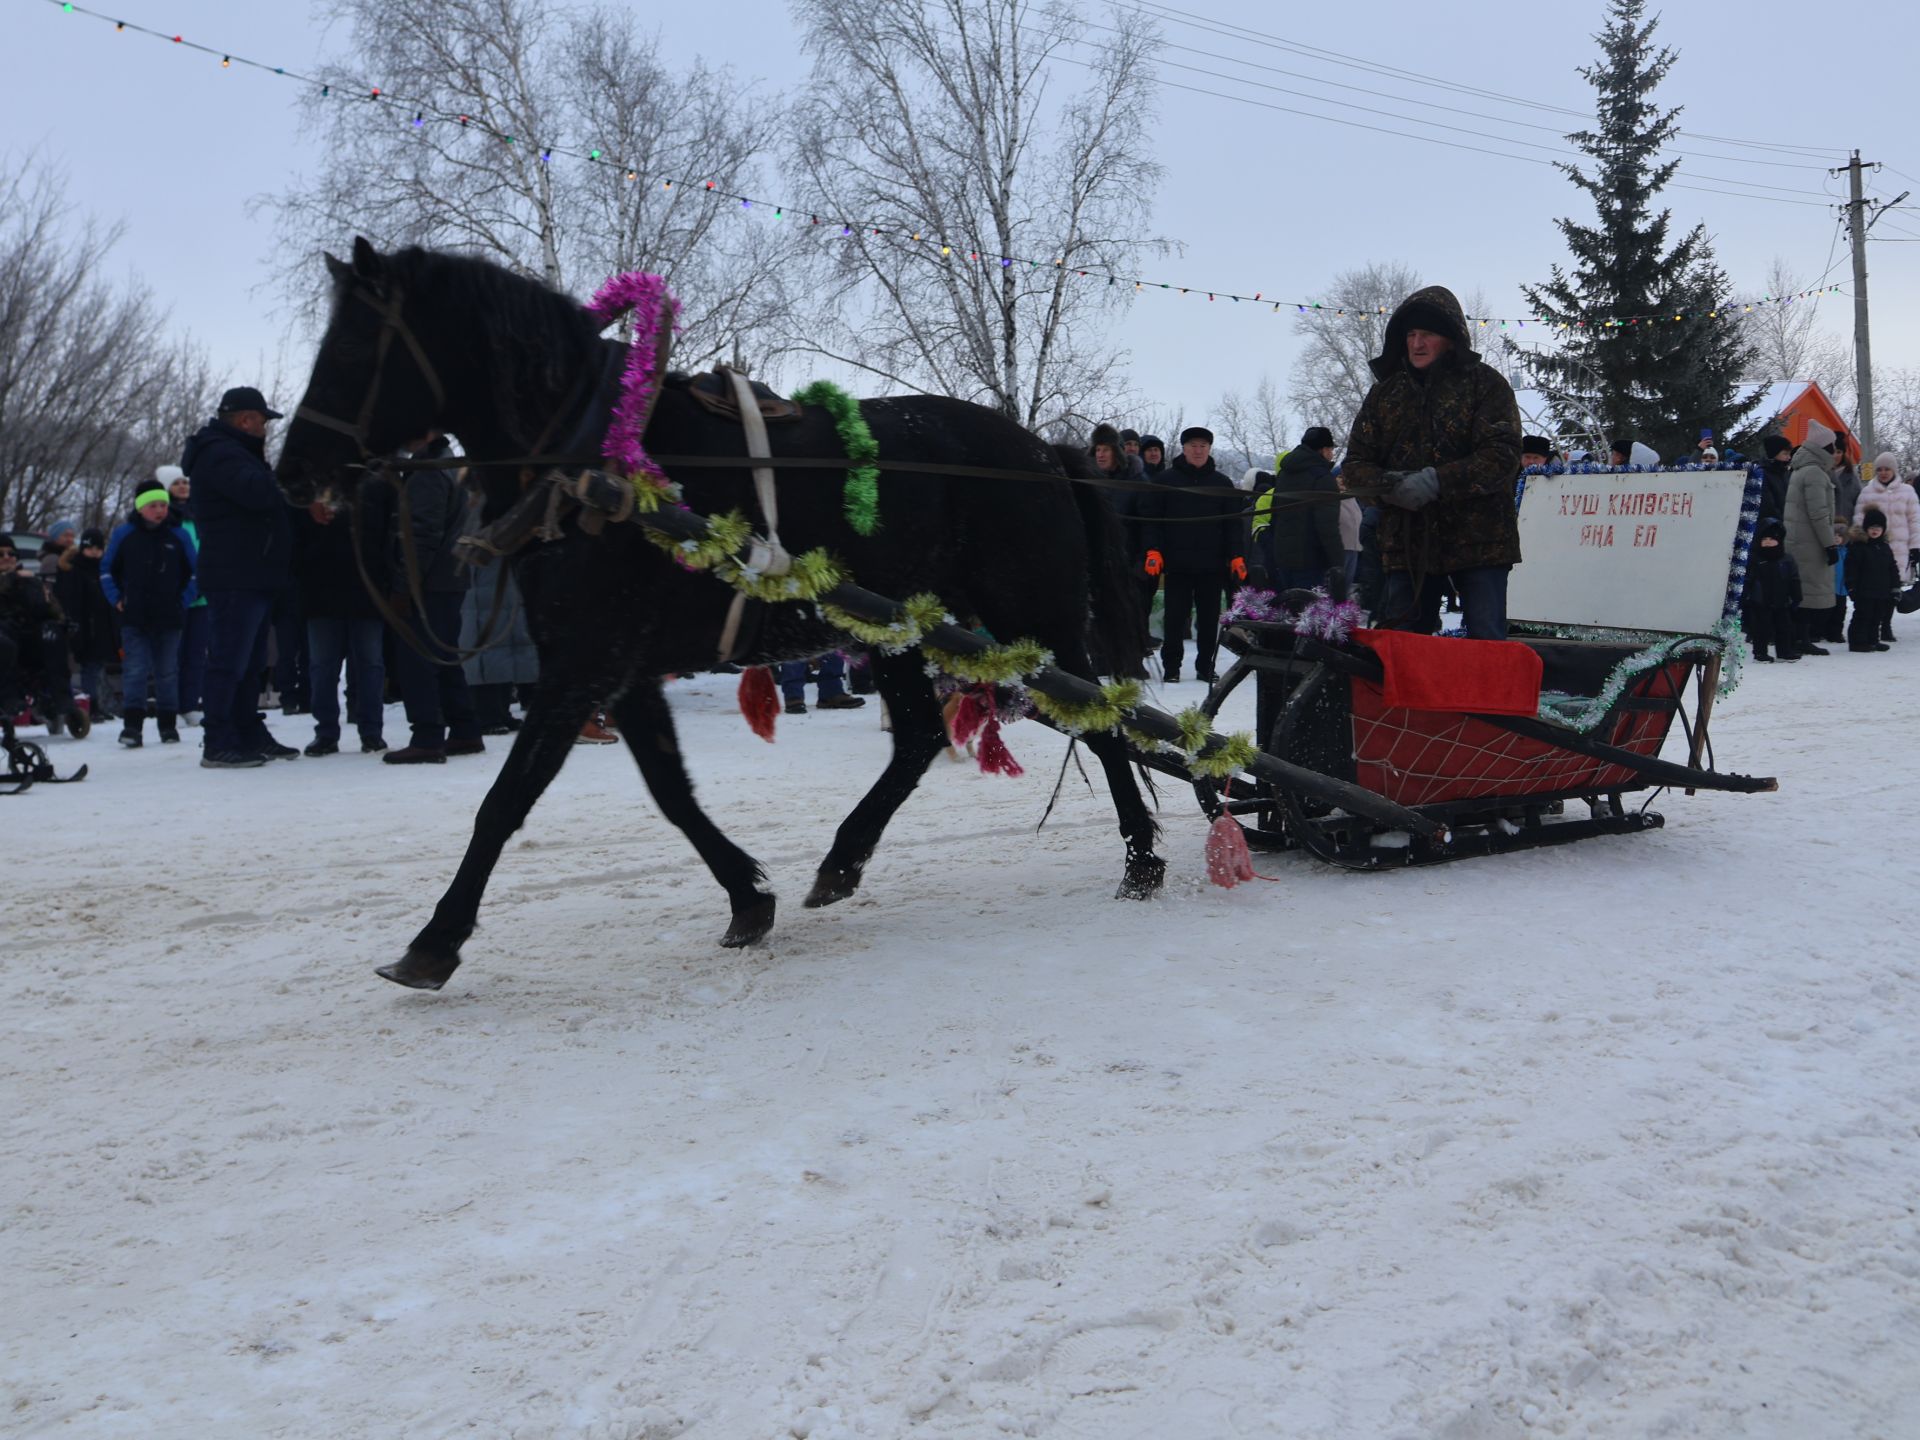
646,724
541,748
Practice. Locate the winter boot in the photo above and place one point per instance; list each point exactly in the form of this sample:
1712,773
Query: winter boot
169,731
131,723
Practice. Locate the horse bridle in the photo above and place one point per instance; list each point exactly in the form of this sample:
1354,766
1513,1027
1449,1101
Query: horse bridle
392,323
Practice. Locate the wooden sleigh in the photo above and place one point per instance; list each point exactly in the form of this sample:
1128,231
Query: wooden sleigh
1491,783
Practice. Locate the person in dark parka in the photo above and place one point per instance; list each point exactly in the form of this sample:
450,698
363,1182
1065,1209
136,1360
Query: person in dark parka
1304,538
1774,471
1194,541
1873,581
431,516
1772,593
95,626
1130,507
245,562
1438,439
342,621
147,575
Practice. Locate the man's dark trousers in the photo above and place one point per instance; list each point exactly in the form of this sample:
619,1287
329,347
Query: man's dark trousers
238,625
439,705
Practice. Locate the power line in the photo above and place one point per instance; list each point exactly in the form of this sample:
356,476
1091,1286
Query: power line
1230,30
1373,93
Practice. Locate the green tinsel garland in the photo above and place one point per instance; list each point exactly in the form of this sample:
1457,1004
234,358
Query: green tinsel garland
861,496
1002,665
1117,701
924,612
1236,753
811,574
815,572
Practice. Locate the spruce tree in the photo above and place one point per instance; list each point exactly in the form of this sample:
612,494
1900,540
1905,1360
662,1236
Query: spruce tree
1672,366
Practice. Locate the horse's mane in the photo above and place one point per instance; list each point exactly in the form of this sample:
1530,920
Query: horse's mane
540,331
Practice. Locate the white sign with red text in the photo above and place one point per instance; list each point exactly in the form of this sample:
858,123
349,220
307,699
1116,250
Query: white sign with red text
1631,552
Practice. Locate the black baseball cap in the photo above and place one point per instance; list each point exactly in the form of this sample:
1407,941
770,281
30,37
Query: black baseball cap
245,397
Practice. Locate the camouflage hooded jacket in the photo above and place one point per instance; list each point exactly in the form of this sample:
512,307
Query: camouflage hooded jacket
1458,416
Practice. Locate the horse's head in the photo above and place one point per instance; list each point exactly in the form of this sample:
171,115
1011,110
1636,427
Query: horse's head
374,389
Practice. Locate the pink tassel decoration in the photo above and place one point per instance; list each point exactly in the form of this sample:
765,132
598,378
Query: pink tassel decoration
1228,860
995,758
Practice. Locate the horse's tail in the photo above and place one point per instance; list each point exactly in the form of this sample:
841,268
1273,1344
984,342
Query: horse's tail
1115,628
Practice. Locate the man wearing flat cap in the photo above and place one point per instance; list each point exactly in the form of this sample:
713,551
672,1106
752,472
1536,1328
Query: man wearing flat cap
1438,441
246,557
1194,540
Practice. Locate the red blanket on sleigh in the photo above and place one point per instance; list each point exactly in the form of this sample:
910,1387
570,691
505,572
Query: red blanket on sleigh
1431,672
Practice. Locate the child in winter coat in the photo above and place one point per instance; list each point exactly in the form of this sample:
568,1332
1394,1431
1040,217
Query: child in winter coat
1772,594
1873,580
148,575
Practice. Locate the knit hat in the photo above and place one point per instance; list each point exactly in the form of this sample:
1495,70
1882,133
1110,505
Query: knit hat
6,542
1709,456
1196,432
1775,445
93,538
1888,459
1126,435
1153,442
1819,437
1105,434
151,497
1318,437
1771,527
59,528
1872,519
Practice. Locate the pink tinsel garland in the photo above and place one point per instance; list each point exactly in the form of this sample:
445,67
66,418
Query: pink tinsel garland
645,295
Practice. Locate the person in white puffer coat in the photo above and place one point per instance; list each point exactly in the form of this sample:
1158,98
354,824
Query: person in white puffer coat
1895,499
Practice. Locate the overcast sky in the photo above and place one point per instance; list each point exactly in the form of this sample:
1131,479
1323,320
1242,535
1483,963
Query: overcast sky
179,149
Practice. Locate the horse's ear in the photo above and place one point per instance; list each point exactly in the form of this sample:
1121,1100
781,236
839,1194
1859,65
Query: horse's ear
336,267
367,263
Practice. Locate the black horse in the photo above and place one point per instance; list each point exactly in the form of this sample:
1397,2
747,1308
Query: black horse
421,342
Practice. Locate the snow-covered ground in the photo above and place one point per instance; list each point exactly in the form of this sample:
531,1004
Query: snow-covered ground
1617,1139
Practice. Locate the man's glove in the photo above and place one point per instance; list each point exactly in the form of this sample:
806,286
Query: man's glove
1237,567
1913,559
1416,490
1156,562
1833,554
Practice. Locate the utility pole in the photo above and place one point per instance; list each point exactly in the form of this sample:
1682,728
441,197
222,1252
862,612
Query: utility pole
1862,346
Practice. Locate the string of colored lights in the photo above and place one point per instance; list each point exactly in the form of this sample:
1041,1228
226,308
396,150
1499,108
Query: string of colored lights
425,112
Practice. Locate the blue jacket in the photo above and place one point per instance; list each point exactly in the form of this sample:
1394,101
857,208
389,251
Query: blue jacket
148,569
245,535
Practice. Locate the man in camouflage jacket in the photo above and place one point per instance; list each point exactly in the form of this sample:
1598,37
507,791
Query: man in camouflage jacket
1438,439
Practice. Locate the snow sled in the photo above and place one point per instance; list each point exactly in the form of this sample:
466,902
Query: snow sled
1502,746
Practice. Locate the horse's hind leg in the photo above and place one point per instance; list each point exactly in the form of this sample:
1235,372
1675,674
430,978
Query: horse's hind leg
540,749
919,734
647,726
1145,870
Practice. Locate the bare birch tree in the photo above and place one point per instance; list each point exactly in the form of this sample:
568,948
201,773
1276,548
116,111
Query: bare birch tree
1256,425
86,370
1344,331
971,223
1788,340
496,85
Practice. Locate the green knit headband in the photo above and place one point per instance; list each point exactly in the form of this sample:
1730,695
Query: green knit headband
147,497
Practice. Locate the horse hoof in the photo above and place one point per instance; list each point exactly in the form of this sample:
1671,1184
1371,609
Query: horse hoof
1143,879
750,926
420,970
831,885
